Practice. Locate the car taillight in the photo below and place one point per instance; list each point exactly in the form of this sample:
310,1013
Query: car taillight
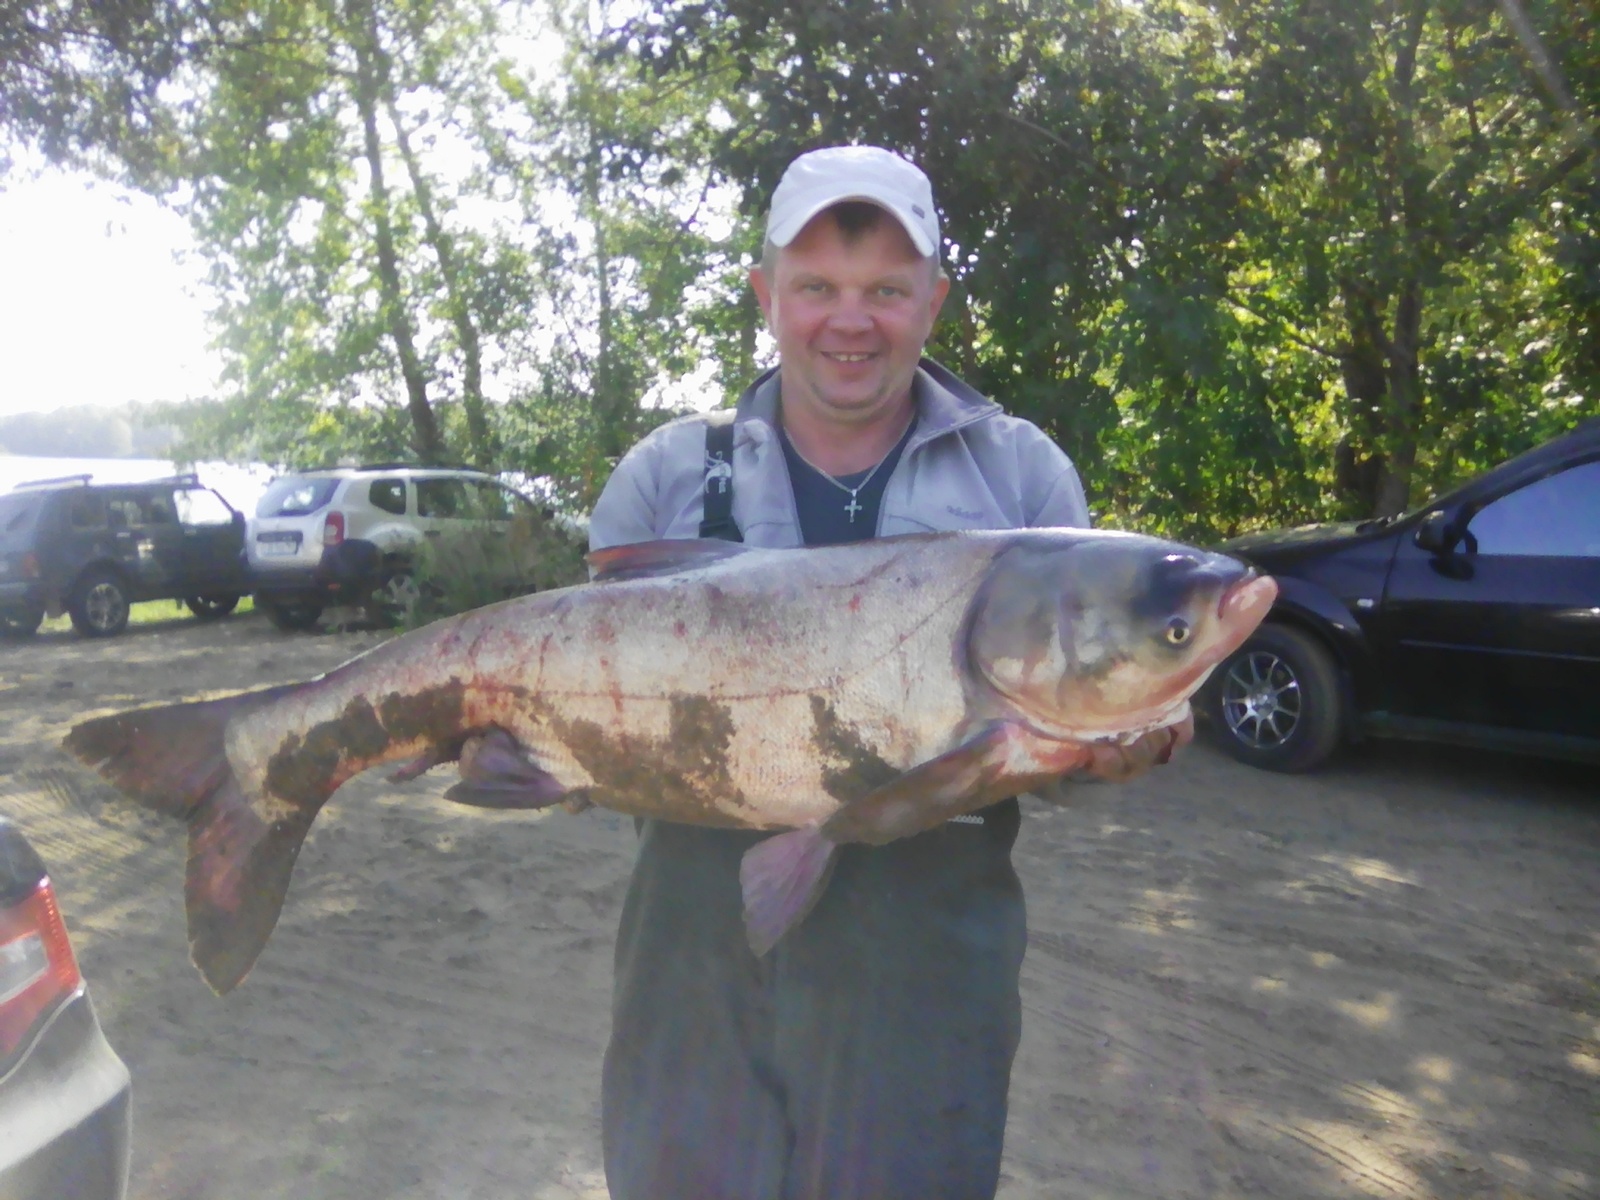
333,529
37,967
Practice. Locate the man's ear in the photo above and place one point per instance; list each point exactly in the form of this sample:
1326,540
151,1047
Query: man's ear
762,286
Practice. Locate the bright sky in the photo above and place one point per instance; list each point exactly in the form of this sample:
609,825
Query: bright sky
93,307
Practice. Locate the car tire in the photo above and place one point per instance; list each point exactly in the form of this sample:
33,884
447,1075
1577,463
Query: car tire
1276,702
99,604
291,616
211,608
21,623
395,601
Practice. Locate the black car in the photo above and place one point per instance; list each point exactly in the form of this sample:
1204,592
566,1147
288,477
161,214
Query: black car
1474,619
92,550
64,1093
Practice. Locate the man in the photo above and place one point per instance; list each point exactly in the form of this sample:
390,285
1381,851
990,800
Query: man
867,1057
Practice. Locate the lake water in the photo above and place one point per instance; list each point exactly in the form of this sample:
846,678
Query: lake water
240,486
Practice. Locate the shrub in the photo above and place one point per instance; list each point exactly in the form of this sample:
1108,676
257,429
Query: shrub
482,566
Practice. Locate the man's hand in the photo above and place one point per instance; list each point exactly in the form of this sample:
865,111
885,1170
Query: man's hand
1118,764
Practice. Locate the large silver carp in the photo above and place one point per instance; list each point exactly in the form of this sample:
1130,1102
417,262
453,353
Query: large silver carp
856,693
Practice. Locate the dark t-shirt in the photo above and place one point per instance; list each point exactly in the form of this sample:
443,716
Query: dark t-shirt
829,514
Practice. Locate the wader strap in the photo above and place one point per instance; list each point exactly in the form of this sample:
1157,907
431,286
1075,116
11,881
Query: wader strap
717,518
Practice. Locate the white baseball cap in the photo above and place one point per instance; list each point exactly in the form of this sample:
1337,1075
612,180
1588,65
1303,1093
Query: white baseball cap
820,179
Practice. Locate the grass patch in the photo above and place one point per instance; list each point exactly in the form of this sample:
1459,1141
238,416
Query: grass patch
148,612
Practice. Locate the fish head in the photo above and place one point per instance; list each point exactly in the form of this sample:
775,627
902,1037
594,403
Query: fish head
1106,635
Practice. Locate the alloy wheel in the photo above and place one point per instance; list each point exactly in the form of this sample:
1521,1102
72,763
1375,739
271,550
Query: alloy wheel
1261,700
105,606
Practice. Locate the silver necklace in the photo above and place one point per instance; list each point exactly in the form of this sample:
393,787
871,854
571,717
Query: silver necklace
852,507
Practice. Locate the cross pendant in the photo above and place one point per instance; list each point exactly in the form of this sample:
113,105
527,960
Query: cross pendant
852,508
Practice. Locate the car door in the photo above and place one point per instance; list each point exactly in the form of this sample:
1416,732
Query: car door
212,542
149,540
441,505
1505,628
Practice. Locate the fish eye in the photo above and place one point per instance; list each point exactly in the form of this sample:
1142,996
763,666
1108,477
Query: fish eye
1177,631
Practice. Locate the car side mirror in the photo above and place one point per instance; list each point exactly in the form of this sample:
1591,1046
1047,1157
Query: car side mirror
238,520
1434,534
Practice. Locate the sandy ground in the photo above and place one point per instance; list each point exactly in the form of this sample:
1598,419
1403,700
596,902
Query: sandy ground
1380,981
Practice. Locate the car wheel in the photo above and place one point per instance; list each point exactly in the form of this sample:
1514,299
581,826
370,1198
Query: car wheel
395,601
20,622
291,616
1276,701
210,608
99,605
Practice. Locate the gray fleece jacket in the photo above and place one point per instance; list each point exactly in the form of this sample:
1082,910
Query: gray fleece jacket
968,466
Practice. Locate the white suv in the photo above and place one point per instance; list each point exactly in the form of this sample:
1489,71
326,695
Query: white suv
338,535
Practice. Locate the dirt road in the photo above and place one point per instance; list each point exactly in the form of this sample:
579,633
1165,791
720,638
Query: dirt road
1381,981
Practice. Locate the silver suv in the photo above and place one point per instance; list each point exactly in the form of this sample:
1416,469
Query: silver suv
351,535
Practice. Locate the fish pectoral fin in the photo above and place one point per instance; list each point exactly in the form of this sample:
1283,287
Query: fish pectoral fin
781,878
498,772
664,557
995,762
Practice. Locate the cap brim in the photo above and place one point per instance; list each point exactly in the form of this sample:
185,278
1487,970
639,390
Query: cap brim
783,232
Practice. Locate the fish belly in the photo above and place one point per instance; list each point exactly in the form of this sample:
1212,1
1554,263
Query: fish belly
753,699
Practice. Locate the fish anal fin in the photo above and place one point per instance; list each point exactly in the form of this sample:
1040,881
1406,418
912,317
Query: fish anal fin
998,760
781,878
498,772
236,881
663,557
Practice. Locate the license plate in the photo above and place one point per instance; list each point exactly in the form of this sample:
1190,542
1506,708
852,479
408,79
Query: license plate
276,549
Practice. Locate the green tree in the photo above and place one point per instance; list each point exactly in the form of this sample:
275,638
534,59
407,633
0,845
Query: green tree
325,176
1235,256
634,264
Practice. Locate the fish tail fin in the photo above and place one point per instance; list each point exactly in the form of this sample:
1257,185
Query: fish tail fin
782,878
171,757
235,882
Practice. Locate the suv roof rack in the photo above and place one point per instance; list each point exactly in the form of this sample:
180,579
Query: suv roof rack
187,479
55,482
416,466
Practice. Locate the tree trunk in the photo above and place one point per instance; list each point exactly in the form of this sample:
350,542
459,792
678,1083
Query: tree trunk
482,446
1404,410
428,443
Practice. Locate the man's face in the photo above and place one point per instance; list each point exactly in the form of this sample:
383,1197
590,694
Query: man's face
850,316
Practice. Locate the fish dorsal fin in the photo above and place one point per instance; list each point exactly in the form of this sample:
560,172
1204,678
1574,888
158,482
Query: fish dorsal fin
667,557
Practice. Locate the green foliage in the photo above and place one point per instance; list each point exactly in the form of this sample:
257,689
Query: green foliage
484,567
1249,261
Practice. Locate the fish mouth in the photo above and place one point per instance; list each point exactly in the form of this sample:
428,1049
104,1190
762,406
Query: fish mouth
1244,603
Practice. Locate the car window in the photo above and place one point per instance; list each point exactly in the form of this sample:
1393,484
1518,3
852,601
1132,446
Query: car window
441,498
295,497
202,506
123,511
1557,516
490,501
159,509
146,508
87,510
388,495
523,509
16,512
